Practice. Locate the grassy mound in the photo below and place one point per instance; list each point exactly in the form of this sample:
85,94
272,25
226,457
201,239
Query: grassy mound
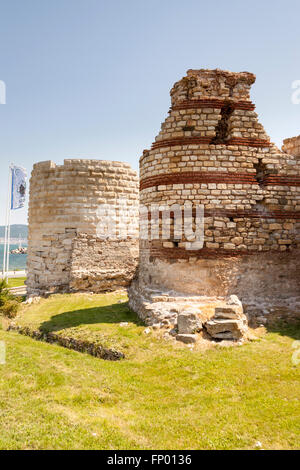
161,397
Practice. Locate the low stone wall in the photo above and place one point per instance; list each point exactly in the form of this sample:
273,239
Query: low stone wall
257,279
68,342
102,265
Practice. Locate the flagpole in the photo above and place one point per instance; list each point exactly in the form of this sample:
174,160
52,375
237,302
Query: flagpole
8,220
15,200
6,226
5,240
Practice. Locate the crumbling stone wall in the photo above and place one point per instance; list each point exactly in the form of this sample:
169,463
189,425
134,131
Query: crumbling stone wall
102,265
212,151
65,251
292,146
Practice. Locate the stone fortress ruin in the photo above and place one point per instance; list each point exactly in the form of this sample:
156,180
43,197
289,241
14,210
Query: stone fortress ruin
212,153
292,146
65,251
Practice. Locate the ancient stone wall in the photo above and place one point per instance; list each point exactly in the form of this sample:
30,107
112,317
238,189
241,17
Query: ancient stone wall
212,151
102,265
292,146
67,249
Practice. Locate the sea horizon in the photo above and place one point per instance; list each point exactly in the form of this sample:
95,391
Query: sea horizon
16,262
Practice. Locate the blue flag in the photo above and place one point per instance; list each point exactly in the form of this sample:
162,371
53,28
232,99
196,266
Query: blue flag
18,187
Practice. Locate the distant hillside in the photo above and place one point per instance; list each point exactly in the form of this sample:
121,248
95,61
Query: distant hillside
16,230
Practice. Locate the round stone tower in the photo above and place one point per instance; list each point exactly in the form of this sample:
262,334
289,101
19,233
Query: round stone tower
72,244
213,154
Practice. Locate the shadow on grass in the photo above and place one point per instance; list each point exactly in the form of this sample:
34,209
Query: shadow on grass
285,328
114,313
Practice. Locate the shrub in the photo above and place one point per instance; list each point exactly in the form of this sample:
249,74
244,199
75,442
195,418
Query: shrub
10,308
4,292
8,304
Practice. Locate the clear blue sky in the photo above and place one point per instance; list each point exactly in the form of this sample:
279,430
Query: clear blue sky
91,78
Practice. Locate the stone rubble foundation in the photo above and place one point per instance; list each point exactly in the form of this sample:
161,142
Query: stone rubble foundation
84,346
185,316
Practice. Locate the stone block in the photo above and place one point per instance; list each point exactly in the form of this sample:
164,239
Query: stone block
186,338
188,322
225,329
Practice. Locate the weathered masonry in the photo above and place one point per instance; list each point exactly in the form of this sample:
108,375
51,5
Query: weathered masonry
292,146
212,151
65,250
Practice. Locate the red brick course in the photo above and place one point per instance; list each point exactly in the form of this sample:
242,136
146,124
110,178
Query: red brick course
208,140
281,180
198,177
239,214
213,103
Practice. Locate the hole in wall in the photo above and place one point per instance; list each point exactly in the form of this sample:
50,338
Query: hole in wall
283,201
261,171
222,129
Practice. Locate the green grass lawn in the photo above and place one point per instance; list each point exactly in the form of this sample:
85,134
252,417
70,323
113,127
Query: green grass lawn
162,396
16,281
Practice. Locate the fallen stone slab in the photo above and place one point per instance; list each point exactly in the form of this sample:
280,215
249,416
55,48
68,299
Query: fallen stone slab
232,312
226,328
186,338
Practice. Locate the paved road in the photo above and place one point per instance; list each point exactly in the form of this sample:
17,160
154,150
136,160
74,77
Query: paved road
20,290
14,274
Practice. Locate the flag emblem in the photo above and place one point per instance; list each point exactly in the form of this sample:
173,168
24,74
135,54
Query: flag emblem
18,187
